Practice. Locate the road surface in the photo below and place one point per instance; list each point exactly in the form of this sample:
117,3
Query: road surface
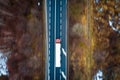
56,35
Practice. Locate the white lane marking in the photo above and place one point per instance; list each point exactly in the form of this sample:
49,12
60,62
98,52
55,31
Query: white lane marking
60,15
60,27
60,33
48,68
63,75
50,9
60,30
49,39
60,21
64,52
60,2
49,63
49,15
58,57
49,33
49,2
49,59
49,47
60,8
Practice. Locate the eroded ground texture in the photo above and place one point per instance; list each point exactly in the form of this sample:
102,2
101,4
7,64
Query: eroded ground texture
21,40
94,39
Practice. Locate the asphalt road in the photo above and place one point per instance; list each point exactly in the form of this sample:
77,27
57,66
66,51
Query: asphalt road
56,28
50,39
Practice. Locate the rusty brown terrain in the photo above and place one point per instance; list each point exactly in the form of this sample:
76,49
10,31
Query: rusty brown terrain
22,34
93,44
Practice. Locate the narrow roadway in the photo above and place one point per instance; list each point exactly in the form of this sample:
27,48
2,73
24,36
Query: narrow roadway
56,29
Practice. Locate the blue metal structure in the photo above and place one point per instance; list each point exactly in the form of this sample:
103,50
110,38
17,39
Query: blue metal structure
56,28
